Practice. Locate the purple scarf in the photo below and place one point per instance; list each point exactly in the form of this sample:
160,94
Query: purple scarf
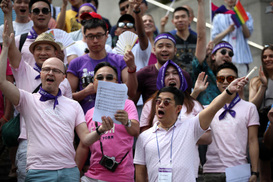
38,69
229,108
75,9
33,34
47,96
161,76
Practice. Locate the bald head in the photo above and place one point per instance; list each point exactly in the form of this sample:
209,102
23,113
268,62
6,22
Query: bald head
54,62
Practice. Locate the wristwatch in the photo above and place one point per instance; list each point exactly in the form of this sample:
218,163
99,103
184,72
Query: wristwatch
136,11
129,123
255,173
98,132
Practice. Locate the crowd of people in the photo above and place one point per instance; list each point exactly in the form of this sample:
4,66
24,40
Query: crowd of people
186,114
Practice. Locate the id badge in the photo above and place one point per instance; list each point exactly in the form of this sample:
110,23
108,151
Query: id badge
165,174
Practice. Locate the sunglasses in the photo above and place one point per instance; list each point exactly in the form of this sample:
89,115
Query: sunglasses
37,11
54,70
166,102
124,7
221,79
128,25
224,51
108,77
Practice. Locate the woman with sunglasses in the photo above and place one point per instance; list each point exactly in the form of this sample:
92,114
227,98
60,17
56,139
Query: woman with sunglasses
261,94
115,145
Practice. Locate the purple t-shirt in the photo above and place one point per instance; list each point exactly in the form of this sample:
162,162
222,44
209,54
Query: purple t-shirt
77,65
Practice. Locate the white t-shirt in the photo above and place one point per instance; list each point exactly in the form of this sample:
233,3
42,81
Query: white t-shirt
50,131
19,28
185,135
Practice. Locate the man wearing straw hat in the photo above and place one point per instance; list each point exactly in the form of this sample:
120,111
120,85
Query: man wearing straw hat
50,120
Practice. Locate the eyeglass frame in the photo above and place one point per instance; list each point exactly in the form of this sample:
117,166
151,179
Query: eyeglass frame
41,10
166,102
54,70
97,36
105,77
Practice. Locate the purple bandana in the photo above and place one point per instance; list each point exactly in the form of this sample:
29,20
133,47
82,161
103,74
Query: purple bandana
228,109
33,34
165,36
222,45
87,4
161,76
47,96
38,69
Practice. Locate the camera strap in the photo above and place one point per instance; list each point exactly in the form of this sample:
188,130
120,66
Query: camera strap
101,148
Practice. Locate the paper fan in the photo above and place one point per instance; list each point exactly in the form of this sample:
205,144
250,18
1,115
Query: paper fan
61,36
126,41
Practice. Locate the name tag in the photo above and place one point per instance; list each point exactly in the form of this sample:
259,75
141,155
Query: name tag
164,174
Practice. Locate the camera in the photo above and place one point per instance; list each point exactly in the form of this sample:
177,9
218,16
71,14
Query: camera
109,163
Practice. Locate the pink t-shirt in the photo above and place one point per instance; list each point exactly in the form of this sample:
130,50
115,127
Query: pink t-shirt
24,76
116,143
230,138
50,131
2,107
185,133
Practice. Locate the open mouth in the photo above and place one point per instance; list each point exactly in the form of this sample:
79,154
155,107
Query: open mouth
172,84
23,10
160,113
50,80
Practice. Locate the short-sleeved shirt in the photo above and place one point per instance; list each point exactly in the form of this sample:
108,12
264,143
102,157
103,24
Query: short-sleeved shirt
230,138
116,143
185,52
24,77
212,90
71,23
77,65
50,131
185,133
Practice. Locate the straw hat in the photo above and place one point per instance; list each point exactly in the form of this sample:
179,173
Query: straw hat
44,38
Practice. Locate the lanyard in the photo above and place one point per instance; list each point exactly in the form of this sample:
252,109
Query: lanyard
159,159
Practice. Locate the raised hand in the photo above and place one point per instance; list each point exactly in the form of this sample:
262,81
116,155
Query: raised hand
7,39
6,6
237,84
262,77
129,60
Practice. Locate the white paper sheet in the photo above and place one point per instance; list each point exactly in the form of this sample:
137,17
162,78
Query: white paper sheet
110,97
239,173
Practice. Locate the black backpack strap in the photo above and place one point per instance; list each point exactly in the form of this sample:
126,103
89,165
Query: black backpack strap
54,13
37,88
23,38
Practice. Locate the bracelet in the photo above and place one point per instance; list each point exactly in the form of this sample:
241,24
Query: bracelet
136,12
5,118
255,173
228,92
132,71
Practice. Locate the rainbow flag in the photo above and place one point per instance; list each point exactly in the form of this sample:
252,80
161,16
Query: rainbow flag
240,17
52,34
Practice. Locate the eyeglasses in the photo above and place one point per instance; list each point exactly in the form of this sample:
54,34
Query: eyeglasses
108,77
224,51
37,11
124,7
128,25
221,79
54,70
92,37
166,102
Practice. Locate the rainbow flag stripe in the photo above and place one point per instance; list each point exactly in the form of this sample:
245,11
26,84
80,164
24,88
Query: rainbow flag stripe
240,16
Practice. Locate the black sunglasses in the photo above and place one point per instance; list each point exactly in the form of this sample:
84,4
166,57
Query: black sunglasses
108,77
37,11
224,51
221,79
124,7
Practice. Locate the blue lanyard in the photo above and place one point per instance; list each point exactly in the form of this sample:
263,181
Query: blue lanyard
171,150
